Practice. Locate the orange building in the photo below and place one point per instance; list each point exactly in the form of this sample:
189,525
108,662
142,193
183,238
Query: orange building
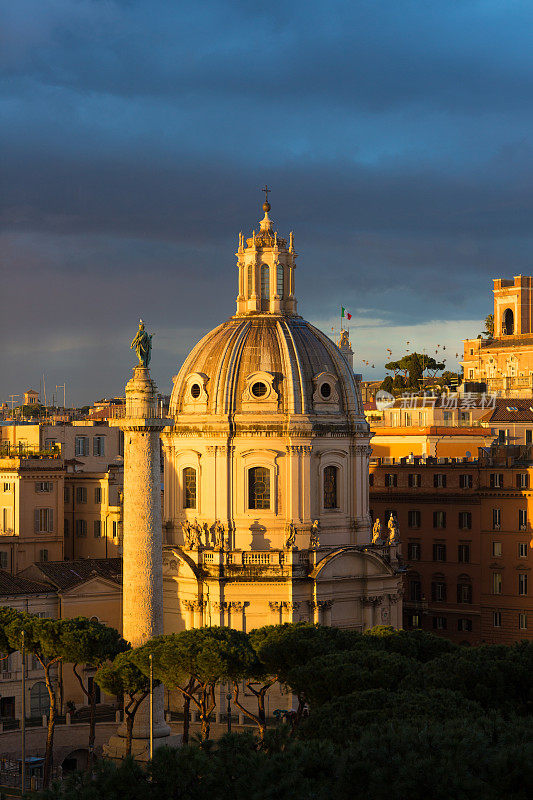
504,362
466,529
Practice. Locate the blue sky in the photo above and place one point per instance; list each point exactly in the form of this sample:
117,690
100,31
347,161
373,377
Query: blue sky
396,137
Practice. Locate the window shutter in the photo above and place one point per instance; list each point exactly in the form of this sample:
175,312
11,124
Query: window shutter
36,521
492,480
50,520
518,481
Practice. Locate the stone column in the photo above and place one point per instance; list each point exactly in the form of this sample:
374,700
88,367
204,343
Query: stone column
142,594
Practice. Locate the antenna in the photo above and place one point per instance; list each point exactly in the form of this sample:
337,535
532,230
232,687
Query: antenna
64,387
44,390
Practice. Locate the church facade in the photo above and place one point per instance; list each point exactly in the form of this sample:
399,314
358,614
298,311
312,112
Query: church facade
266,515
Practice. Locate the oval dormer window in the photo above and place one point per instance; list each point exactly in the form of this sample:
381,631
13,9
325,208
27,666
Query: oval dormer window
259,389
195,390
325,391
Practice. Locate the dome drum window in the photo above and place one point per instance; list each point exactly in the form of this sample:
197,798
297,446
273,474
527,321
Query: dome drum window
259,394
195,397
325,397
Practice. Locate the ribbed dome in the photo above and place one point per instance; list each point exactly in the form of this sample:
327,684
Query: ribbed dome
297,356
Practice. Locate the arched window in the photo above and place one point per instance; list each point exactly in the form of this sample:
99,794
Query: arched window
508,322
330,487
250,274
39,700
189,487
265,282
464,589
280,280
258,487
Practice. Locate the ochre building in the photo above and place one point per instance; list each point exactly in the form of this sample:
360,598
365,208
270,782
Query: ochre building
467,535
504,362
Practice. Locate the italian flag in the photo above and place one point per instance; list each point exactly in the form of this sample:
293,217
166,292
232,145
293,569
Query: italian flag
345,314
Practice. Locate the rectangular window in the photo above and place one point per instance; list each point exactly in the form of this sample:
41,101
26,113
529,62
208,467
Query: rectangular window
464,593
464,416
7,520
115,529
43,555
522,519
82,445
464,624
463,553
496,583
438,591
465,520
43,486
49,444
414,620
529,437
522,583
81,494
99,446
466,481
189,486
43,520
522,549
98,495
439,519
522,480
413,551
496,480
413,518
7,487
502,436
97,528
415,590
440,623
66,494
66,528
81,528
439,551
391,480
415,480
447,416
522,622
371,479
496,619
439,480
496,519
3,559
496,549
259,487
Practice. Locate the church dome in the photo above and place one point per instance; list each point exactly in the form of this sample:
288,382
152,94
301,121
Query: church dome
266,359
270,363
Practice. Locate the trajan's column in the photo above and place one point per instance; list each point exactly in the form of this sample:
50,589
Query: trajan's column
142,604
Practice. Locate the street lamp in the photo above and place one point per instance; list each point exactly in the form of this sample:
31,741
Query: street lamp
228,698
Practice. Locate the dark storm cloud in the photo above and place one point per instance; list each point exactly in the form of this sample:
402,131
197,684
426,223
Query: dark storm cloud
136,134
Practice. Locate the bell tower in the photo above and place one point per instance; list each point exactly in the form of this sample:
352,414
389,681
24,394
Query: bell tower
513,306
266,270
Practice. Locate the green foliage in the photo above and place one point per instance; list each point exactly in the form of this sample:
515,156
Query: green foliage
280,648
90,642
122,676
412,367
417,644
387,384
327,677
210,655
489,326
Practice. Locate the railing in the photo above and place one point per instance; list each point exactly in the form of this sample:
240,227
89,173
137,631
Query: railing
136,410
8,450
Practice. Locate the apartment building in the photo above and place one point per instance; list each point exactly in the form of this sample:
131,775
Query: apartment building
466,536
